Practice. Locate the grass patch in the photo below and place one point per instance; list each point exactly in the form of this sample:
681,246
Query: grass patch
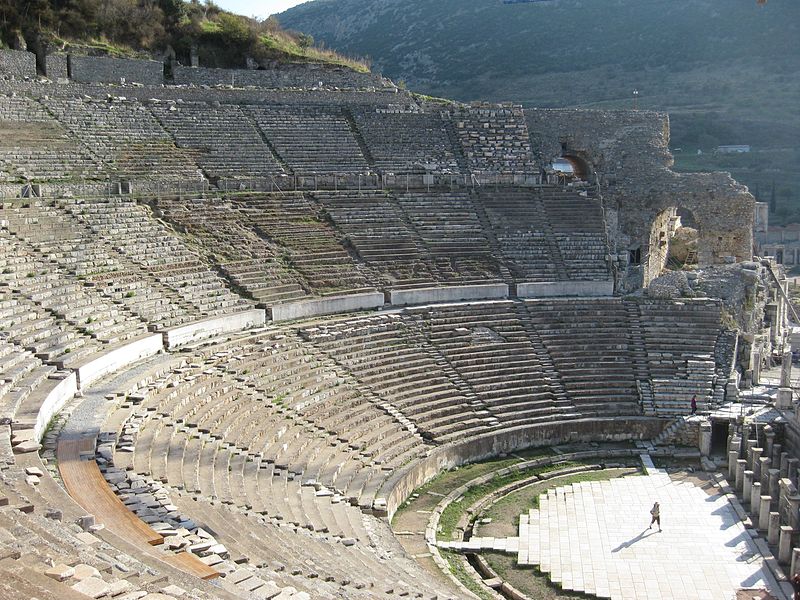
458,567
446,481
452,514
529,579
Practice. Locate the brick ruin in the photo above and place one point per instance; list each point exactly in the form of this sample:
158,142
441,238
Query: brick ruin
282,306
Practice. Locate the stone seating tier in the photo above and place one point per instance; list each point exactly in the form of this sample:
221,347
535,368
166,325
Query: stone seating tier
222,139
311,139
407,142
35,147
252,262
125,135
314,248
287,438
452,234
131,229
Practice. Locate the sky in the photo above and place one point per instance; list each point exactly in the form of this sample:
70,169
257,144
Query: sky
257,8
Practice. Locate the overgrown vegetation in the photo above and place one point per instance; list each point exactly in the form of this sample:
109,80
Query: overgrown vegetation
150,27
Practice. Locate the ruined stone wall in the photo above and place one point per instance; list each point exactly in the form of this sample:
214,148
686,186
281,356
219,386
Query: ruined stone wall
101,69
56,66
628,150
494,138
687,435
751,299
655,254
301,77
17,64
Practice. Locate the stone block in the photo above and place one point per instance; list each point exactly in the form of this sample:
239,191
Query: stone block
773,529
754,502
60,572
18,64
448,294
101,69
785,545
747,487
61,393
118,358
94,587
763,513
174,590
121,587
86,522
565,288
83,571
741,466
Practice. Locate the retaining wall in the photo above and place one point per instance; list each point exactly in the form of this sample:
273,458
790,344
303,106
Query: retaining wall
119,358
201,330
553,289
17,64
303,77
55,66
58,397
325,306
404,481
455,293
101,69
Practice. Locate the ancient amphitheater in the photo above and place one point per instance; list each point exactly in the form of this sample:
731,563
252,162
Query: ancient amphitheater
246,314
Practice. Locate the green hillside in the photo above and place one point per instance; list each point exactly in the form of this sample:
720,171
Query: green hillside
149,28
727,71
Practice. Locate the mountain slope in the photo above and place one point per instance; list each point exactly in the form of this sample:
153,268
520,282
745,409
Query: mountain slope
149,28
726,71
468,47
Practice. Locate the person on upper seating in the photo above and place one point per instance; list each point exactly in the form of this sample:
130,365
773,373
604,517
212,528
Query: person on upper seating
694,404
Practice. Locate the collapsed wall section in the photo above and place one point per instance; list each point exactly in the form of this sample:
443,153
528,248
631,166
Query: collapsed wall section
629,159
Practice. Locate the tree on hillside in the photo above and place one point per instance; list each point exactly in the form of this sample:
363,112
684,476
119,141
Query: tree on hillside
773,204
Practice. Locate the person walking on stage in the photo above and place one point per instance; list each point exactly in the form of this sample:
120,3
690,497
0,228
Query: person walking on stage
655,512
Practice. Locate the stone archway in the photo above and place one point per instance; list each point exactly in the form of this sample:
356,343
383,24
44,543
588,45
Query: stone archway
580,167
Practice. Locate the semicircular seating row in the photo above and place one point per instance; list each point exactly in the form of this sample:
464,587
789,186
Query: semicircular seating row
287,438
56,135
299,431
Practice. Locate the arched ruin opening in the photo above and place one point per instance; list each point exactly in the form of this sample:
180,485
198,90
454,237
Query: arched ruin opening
580,168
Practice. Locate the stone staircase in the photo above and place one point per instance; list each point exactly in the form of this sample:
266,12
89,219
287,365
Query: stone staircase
670,430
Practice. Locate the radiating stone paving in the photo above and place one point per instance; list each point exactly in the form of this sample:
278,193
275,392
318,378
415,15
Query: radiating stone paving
593,537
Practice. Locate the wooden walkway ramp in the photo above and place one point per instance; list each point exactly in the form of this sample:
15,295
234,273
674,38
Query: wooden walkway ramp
87,486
